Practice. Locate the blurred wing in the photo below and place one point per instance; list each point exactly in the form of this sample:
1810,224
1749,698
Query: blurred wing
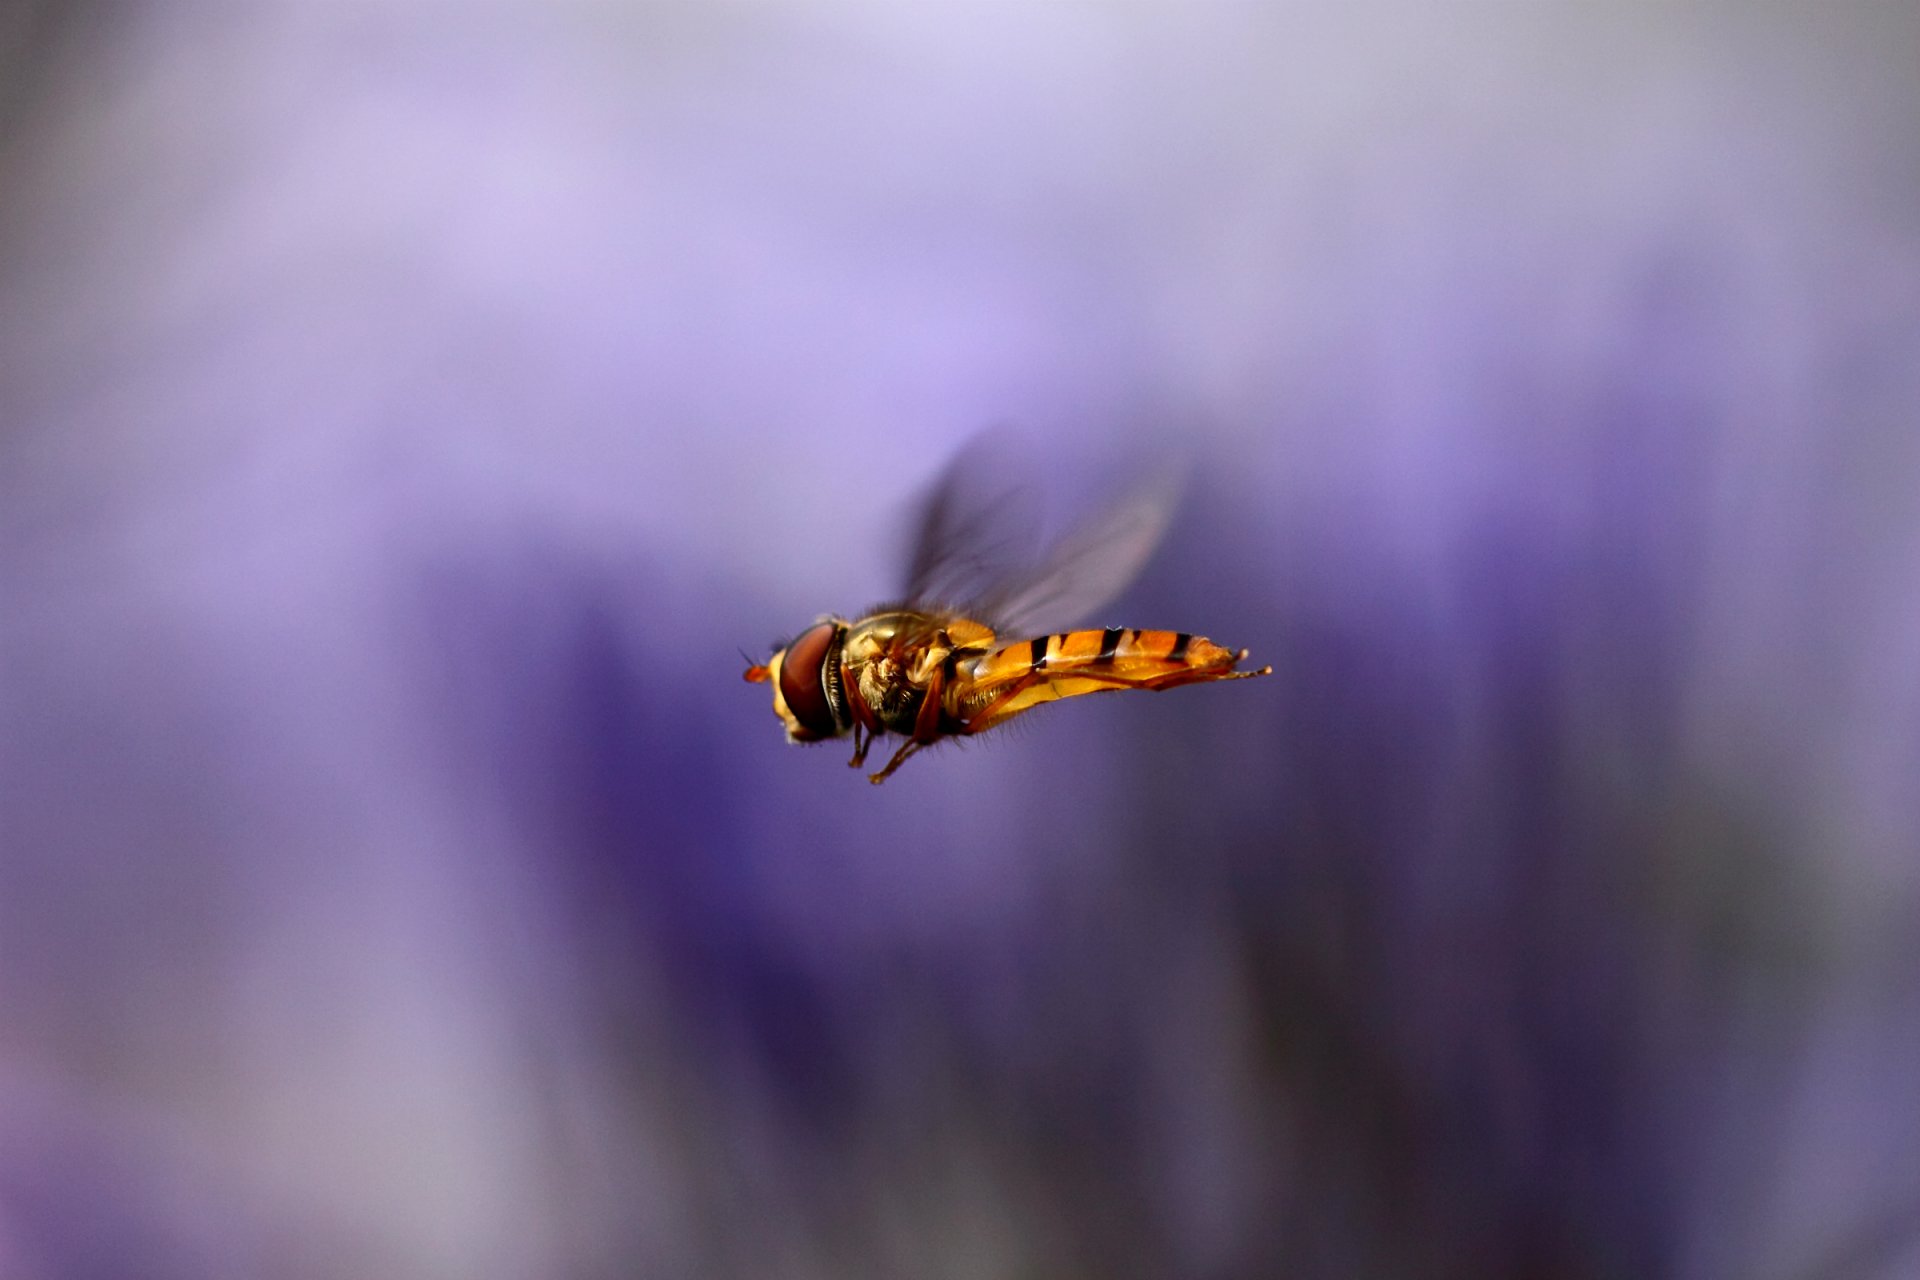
976,530
1089,567
977,547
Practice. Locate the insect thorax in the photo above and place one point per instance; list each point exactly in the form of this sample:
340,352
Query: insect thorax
892,675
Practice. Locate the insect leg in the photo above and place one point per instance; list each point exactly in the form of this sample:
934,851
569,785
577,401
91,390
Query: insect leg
926,723
985,715
1051,684
1164,680
926,728
899,758
859,747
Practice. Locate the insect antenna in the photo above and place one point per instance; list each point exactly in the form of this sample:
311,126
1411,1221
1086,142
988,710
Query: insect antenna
755,673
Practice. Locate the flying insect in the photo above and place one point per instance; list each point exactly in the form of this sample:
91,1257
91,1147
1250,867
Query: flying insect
964,651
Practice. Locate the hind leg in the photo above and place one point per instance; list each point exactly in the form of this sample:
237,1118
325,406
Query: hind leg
899,758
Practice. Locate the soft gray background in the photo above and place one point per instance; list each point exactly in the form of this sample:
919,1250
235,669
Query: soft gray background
407,410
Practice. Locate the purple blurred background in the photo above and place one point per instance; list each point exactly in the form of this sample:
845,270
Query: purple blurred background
407,412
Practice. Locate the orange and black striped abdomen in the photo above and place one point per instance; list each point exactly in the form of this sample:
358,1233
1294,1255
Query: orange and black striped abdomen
1047,668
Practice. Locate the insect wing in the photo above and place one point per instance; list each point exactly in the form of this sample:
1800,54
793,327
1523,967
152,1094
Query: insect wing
976,531
977,546
1089,567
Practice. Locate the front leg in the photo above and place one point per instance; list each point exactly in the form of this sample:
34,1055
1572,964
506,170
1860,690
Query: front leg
859,747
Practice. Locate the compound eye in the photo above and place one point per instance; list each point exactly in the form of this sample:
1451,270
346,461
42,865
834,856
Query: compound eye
802,683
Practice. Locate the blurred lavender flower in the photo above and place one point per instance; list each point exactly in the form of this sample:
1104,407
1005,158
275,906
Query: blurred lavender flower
405,414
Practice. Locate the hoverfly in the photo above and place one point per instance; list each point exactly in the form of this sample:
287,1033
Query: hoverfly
939,664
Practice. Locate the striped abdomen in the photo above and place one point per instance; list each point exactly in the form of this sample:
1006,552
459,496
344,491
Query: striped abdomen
1047,668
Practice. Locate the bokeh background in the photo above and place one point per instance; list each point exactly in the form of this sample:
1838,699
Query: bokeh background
409,410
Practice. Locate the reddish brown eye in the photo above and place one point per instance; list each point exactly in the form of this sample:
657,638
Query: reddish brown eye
810,682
